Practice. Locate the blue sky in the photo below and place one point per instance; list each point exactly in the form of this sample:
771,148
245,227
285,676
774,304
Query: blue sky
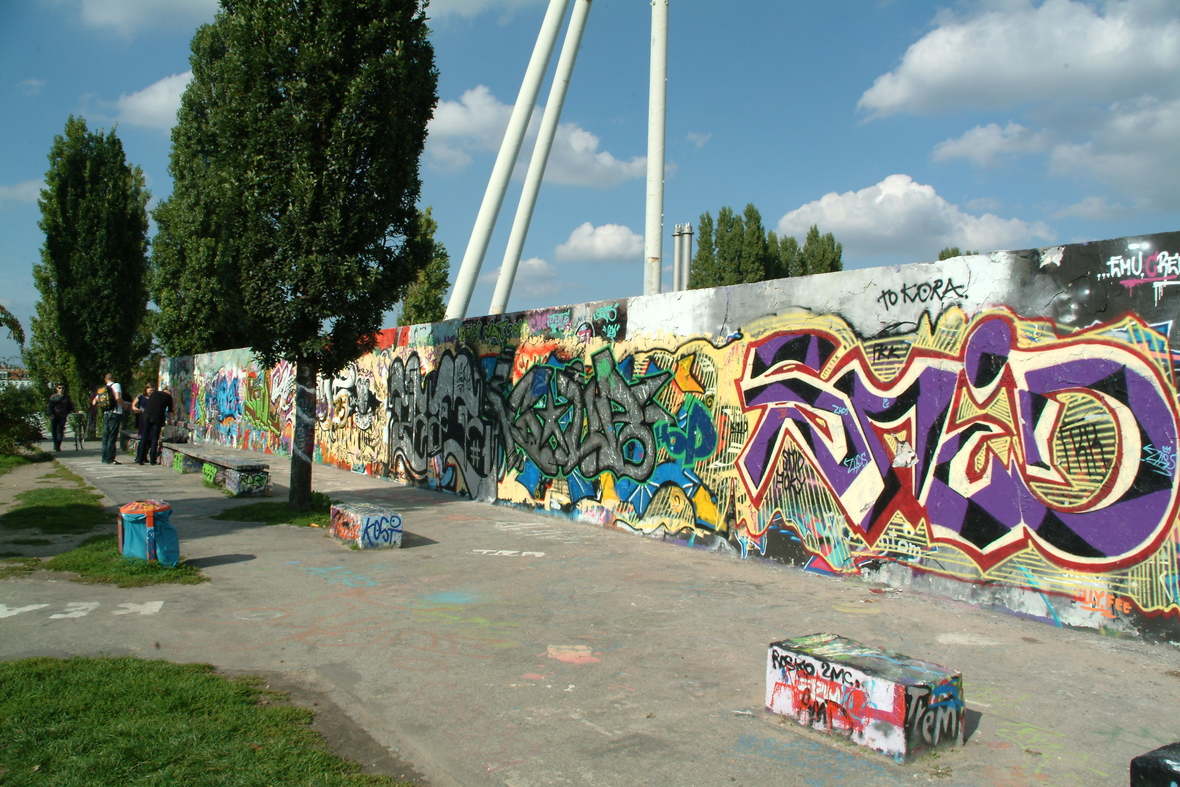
901,126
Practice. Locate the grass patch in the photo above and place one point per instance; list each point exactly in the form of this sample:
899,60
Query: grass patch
276,513
13,565
10,462
65,473
109,722
98,560
56,511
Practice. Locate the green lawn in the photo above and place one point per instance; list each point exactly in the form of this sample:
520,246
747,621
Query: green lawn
55,510
277,513
98,560
120,722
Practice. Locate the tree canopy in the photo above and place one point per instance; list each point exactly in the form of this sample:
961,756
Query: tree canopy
93,263
953,251
738,250
296,155
423,301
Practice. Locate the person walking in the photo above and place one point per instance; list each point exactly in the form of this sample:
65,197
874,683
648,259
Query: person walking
155,414
60,407
109,402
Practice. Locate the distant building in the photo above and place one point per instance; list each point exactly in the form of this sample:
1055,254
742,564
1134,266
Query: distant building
14,376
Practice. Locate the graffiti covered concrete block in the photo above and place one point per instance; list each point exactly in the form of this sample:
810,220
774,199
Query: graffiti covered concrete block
246,482
1158,768
188,464
366,526
883,700
166,455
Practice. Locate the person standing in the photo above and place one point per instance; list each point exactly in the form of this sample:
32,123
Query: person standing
137,408
155,414
60,407
109,402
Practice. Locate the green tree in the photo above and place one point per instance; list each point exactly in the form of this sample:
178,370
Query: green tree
728,237
46,358
784,255
194,260
93,264
702,271
423,301
313,116
820,253
755,262
953,251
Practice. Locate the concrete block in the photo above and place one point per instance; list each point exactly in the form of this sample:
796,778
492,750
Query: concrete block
876,698
188,464
166,455
214,474
367,526
1159,768
242,482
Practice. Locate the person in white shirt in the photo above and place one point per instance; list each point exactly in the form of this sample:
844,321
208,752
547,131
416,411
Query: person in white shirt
112,418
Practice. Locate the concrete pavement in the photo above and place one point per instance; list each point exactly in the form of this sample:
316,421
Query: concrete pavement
500,647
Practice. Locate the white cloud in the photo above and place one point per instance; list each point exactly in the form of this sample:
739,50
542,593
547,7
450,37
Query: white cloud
156,105
1013,52
1091,209
698,140
535,278
471,8
31,87
900,216
1135,151
27,191
608,243
127,16
476,124
982,145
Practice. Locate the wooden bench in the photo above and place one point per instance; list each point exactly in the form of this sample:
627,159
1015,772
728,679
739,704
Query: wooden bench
366,526
220,466
876,698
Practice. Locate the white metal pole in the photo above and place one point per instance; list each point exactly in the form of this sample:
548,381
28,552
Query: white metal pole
677,255
493,198
686,233
656,111
532,181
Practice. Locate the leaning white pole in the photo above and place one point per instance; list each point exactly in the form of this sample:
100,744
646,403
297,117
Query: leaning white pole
532,181
493,198
653,245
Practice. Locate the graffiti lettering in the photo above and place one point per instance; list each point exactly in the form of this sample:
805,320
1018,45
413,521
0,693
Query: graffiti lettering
922,293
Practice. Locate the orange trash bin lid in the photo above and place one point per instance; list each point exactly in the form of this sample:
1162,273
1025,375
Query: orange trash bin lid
145,507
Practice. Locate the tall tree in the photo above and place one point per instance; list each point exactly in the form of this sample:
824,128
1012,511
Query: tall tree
314,116
728,237
755,263
94,261
820,253
784,256
423,301
703,271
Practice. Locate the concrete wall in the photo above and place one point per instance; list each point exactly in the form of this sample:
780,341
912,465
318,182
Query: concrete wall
1001,428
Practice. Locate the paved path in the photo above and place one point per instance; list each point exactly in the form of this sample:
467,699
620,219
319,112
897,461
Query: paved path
505,648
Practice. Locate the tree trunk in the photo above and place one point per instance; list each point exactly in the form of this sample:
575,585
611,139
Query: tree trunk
303,442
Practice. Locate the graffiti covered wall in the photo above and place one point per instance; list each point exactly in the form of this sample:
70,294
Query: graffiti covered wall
1000,428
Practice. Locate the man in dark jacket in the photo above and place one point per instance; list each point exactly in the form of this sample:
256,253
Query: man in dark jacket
60,407
155,413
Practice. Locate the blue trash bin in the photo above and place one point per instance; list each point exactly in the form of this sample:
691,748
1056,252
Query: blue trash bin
146,532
